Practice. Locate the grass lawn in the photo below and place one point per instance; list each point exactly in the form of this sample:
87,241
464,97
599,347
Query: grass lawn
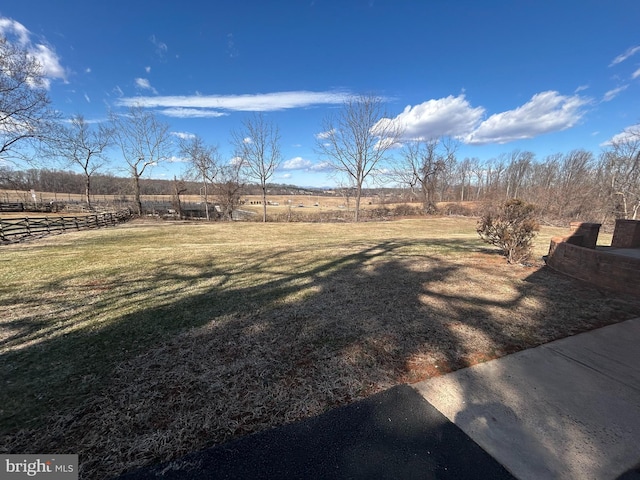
140,343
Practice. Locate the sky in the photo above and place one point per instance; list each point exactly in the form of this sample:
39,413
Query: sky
547,76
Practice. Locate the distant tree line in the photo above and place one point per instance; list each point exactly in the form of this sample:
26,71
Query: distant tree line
565,186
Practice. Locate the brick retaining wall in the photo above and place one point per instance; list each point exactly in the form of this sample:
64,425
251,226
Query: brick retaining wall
598,267
577,256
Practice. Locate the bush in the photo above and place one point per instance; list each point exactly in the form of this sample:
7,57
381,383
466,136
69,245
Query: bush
457,209
406,210
512,227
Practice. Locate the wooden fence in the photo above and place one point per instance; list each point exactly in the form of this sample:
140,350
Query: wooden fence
15,229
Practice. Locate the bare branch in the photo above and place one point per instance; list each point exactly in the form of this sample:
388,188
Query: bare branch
358,140
204,164
24,103
143,140
257,145
81,146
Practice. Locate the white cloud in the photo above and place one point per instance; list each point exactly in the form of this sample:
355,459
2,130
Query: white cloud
546,112
581,88
161,47
174,159
86,97
611,94
147,69
636,74
87,70
49,61
261,102
144,84
325,135
15,32
623,56
630,133
297,163
450,116
321,167
11,27
191,113
183,135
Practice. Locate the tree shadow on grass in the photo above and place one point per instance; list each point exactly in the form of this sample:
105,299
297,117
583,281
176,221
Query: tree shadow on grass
227,359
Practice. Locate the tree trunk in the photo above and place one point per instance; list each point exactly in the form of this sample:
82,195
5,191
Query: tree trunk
136,186
264,203
206,202
88,191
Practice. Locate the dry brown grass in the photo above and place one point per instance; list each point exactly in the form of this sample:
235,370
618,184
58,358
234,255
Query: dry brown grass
142,343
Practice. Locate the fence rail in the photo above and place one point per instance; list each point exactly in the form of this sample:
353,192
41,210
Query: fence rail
15,229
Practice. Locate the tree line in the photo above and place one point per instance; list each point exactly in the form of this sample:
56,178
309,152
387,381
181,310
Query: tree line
359,142
576,185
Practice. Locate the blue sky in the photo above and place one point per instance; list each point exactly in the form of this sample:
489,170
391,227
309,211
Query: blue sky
545,76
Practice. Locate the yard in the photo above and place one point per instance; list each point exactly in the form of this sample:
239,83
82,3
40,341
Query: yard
140,343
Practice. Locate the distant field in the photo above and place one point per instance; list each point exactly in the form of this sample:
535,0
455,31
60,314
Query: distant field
142,342
277,204
283,200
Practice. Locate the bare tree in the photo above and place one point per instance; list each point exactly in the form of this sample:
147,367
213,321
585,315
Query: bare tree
544,193
204,164
179,188
79,145
575,184
144,142
257,145
357,141
519,163
463,171
479,171
621,165
422,165
229,188
446,179
346,189
495,176
24,103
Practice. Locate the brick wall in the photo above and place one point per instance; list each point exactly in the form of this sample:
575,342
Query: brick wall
617,272
626,234
584,234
